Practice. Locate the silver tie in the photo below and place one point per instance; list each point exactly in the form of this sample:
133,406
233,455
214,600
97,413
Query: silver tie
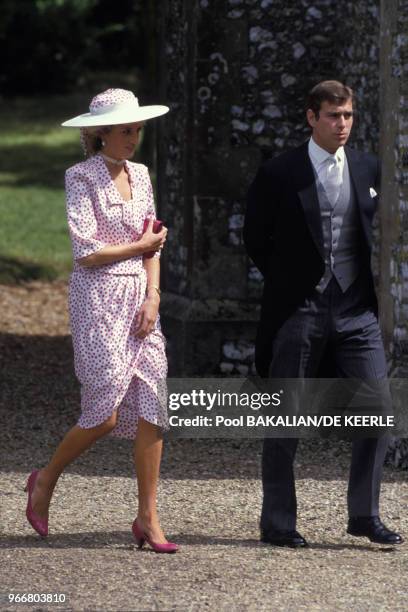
333,180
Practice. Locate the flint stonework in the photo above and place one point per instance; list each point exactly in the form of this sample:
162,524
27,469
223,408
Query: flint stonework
235,74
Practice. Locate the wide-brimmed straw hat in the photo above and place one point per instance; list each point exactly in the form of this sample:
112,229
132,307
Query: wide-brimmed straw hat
114,107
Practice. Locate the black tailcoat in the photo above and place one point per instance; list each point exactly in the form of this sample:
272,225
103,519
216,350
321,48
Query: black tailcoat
284,237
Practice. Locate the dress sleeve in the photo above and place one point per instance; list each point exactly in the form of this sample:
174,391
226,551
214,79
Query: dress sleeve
151,209
82,222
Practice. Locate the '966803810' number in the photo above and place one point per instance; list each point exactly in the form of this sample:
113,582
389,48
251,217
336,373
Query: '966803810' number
37,597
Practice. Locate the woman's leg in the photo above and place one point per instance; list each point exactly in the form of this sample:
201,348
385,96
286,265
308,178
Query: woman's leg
75,442
147,455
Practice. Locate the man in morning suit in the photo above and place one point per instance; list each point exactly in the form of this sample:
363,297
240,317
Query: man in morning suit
308,230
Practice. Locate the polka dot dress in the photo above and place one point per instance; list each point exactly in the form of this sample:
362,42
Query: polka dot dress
116,369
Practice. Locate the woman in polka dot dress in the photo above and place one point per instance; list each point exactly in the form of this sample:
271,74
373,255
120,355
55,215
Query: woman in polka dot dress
114,298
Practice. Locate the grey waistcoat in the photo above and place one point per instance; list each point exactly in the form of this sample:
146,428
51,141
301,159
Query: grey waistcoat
340,234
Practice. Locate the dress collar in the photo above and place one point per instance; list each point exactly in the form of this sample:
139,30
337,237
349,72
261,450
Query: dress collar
114,196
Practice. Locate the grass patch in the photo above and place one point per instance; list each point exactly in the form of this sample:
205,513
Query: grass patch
34,153
33,234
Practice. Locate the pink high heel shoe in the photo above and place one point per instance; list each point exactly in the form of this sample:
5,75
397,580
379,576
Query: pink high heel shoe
141,538
39,524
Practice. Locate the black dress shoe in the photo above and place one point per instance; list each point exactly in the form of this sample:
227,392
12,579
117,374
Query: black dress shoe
372,528
293,539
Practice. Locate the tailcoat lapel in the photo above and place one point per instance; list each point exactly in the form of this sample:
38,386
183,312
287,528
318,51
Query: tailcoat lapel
305,182
361,182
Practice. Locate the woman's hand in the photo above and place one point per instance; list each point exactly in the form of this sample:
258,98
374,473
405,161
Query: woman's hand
147,316
151,241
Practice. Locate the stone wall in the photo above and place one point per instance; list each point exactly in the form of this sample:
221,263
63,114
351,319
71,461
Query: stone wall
358,66
235,74
394,207
394,196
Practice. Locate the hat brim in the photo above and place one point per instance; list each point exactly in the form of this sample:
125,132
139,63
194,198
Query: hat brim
117,117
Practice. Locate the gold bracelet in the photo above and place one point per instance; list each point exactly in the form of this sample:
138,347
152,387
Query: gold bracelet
154,287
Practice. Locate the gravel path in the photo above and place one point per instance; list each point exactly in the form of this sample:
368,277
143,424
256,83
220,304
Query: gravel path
209,502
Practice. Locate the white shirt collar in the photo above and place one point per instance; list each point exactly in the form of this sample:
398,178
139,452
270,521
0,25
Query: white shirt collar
319,155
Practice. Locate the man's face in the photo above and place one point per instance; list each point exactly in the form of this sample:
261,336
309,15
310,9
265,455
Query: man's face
331,129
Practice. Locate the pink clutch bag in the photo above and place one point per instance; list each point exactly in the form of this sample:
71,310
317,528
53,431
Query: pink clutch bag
157,227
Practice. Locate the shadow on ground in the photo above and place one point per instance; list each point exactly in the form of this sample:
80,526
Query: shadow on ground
14,271
44,165
94,540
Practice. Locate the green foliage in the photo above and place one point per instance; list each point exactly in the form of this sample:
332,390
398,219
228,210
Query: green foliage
78,5
57,45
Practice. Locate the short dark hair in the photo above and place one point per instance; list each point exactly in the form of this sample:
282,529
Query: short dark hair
328,91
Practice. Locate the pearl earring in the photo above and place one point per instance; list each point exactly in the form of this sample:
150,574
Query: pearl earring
103,143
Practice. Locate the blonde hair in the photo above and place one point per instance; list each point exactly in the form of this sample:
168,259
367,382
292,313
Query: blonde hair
92,138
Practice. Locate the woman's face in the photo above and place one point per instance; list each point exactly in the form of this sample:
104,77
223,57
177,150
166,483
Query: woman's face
122,140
